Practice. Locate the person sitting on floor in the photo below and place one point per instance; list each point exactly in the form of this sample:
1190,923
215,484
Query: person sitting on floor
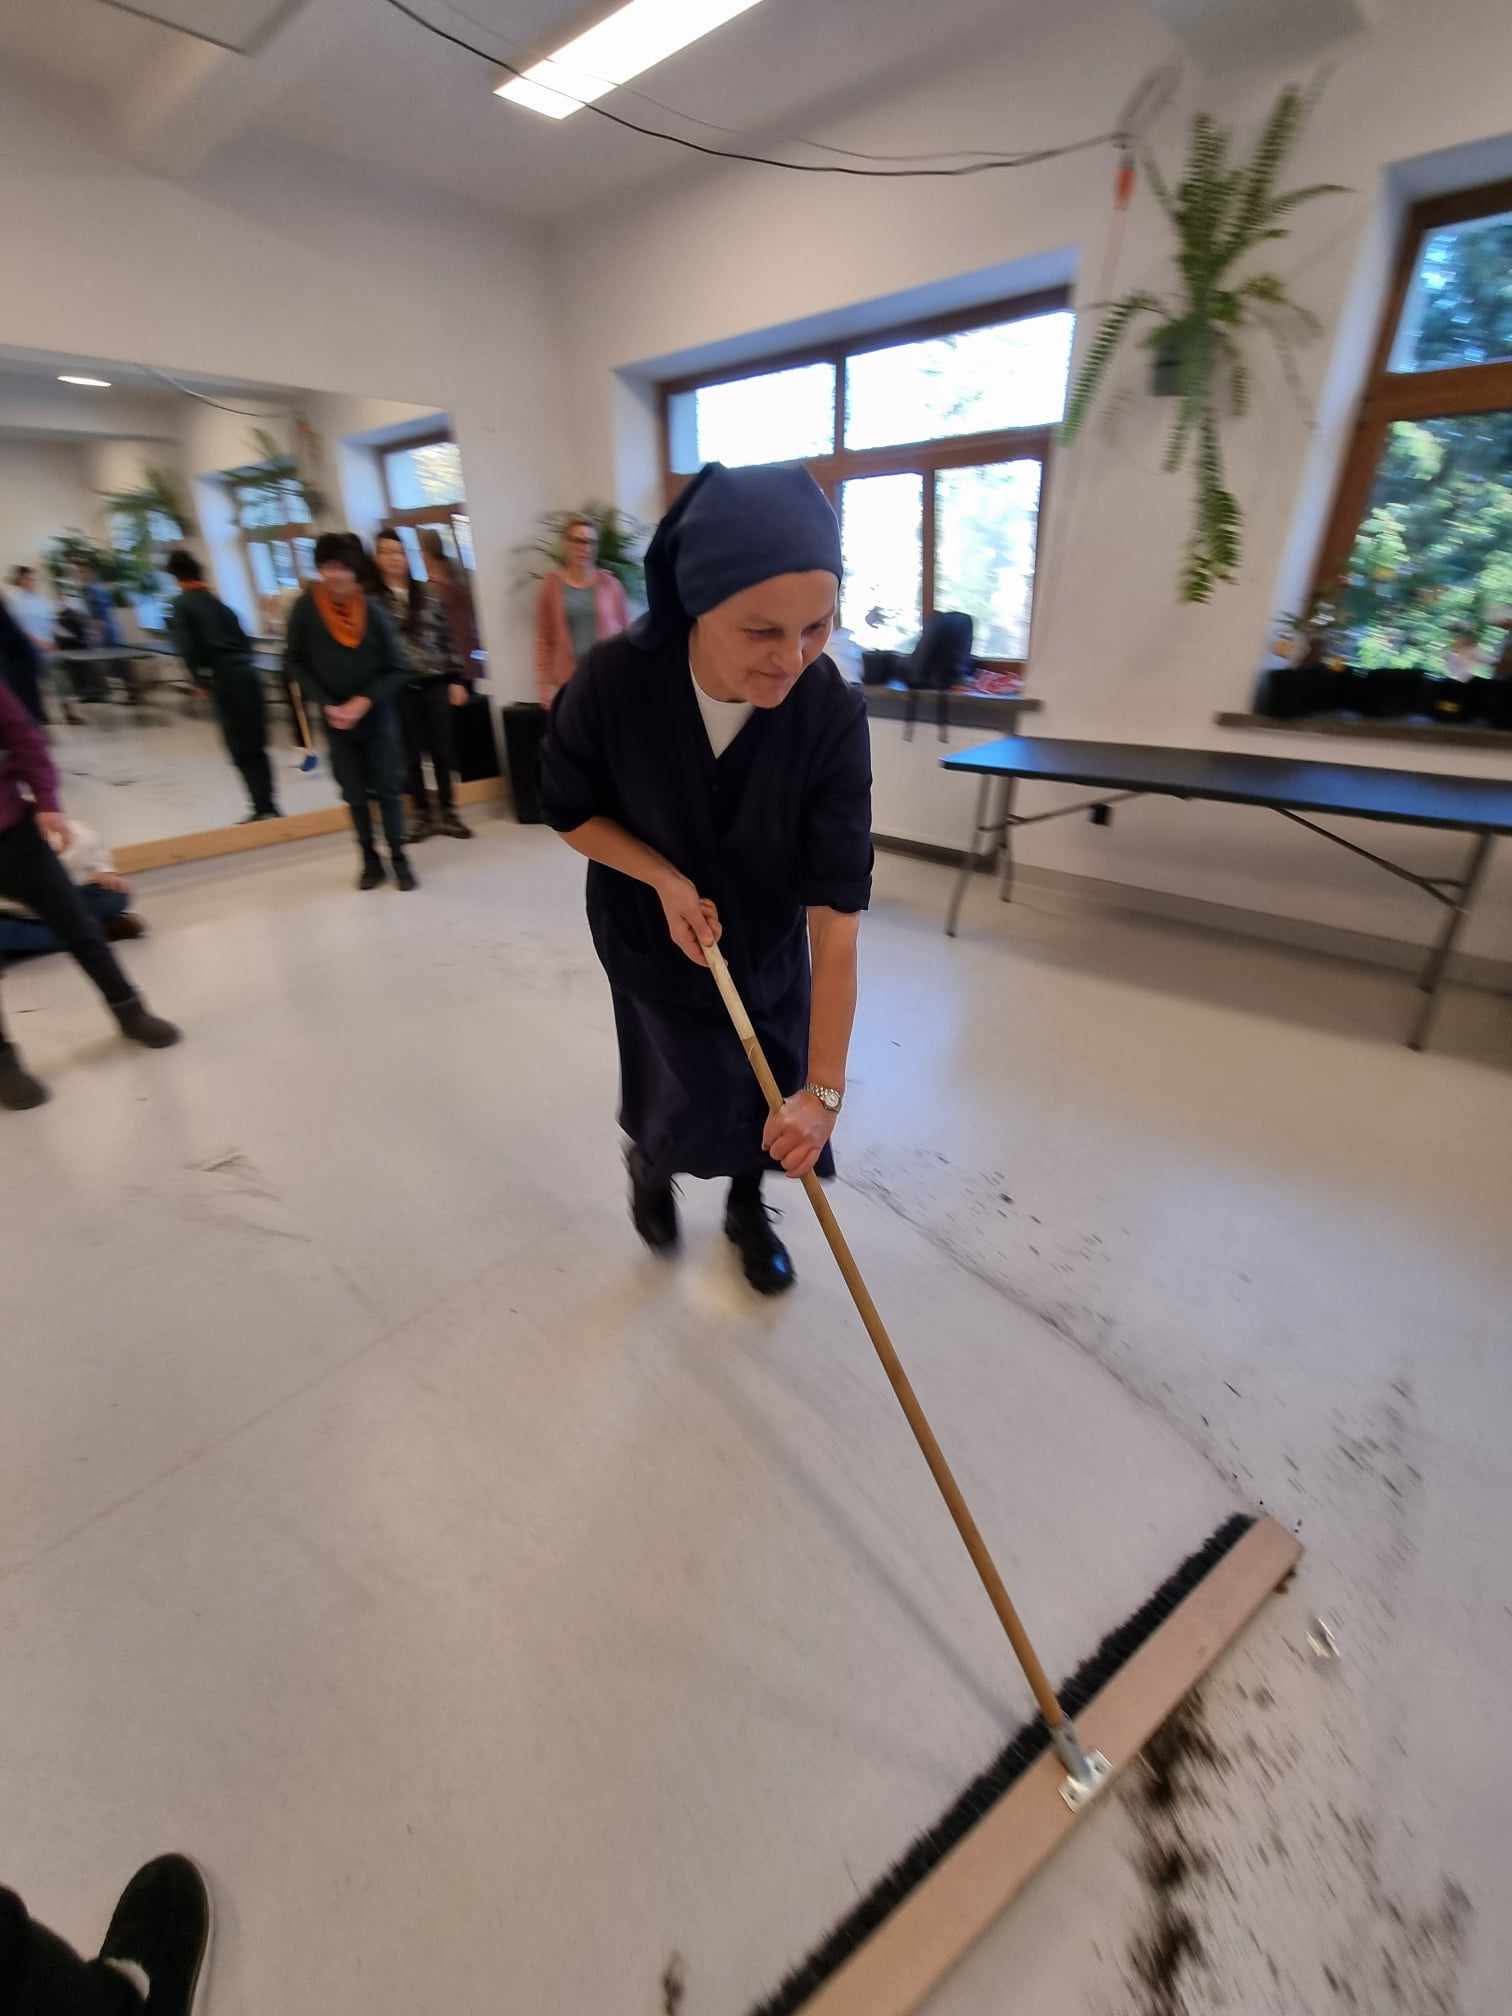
31,829
104,894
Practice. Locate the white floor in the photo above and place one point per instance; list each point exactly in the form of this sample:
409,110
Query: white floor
496,1613
159,773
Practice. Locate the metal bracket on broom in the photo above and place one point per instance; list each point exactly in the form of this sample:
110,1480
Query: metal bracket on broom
1086,1771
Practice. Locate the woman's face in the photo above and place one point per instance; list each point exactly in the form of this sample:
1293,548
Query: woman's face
759,644
393,563
340,580
581,542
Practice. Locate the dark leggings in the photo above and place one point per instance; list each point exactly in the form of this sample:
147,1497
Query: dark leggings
365,760
237,695
40,1976
31,874
425,710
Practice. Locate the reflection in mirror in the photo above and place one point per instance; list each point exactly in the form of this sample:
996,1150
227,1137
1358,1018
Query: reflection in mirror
155,534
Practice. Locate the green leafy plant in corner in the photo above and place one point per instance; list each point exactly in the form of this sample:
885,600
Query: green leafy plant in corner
621,541
125,574
150,515
1222,211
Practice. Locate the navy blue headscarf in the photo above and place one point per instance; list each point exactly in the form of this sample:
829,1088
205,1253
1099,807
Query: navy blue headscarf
728,530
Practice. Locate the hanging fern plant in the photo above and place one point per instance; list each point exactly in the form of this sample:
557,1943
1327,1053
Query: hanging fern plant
1221,212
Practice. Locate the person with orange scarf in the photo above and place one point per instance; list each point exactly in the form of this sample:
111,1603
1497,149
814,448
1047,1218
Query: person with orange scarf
343,654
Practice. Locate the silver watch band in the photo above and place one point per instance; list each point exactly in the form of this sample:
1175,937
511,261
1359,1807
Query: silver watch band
827,1096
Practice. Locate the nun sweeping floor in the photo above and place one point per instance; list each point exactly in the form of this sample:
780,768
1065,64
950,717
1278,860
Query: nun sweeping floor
714,768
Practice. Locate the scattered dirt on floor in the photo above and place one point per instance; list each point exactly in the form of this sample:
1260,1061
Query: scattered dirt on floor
1181,1766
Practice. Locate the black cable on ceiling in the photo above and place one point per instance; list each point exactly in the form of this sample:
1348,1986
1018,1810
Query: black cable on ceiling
740,132
1023,160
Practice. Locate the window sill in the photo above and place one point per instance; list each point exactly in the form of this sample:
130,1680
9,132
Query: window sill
1438,734
963,710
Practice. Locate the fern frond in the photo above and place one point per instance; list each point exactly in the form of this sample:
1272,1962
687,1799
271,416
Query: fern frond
1095,367
1294,197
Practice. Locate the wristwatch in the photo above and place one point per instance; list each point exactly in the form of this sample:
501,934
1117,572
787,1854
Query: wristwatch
828,1097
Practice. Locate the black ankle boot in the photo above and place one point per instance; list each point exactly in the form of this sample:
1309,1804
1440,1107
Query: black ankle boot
404,876
372,876
19,1091
653,1207
142,1026
748,1225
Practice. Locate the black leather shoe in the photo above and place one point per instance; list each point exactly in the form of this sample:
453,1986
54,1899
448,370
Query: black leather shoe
653,1207
767,1262
404,876
372,876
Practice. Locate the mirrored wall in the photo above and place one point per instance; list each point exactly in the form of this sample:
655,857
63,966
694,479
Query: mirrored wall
106,470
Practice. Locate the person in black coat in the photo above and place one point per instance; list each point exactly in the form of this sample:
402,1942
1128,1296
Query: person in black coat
21,664
714,768
208,636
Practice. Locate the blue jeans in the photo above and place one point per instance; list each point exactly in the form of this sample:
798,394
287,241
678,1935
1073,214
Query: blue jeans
28,937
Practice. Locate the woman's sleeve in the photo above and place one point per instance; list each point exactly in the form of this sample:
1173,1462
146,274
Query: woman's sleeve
545,641
26,744
621,603
574,762
835,859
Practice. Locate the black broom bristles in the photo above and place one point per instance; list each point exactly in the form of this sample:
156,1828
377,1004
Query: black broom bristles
936,1842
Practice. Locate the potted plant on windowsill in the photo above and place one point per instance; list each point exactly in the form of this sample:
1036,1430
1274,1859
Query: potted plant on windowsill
1221,212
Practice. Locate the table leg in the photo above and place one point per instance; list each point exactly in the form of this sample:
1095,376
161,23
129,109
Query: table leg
1438,958
1003,819
969,857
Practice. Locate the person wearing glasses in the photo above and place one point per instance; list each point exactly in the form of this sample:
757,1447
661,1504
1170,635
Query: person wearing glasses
580,604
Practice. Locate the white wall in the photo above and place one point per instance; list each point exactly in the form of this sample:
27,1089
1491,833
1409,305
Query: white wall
1115,655
286,275
43,490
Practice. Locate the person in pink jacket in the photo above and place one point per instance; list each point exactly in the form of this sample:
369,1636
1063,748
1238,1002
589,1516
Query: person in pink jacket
580,604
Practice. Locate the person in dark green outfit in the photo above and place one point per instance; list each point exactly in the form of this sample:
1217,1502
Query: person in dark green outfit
341,651
208,636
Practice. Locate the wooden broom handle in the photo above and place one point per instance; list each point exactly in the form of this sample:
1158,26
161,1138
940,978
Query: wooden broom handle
892,1365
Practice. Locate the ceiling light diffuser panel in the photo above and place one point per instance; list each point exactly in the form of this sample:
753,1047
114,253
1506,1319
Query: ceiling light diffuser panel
632,39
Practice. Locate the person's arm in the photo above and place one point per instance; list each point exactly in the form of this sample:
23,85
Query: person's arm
31,760
186,639
796,1136
691,921
545,639
299,664
392,669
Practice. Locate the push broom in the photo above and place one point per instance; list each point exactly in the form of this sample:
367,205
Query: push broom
895,1945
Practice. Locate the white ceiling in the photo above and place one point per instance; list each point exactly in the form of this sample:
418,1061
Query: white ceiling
354,79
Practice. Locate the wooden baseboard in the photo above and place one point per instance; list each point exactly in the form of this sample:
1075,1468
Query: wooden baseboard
145,855
908,1956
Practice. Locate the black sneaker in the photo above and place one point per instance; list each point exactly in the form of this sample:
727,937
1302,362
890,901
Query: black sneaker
453,827
767,1262
404,875
142,1026
372,876
653,1207
162,1925
19,1091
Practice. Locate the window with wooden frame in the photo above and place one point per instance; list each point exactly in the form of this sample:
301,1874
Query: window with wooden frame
1416,567
932,441
276,530
422,481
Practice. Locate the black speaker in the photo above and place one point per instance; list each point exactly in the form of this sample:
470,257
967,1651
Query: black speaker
473,745
524,733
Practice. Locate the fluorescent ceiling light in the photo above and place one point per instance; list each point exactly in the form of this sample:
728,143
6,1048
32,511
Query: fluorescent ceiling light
69,378
628,41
